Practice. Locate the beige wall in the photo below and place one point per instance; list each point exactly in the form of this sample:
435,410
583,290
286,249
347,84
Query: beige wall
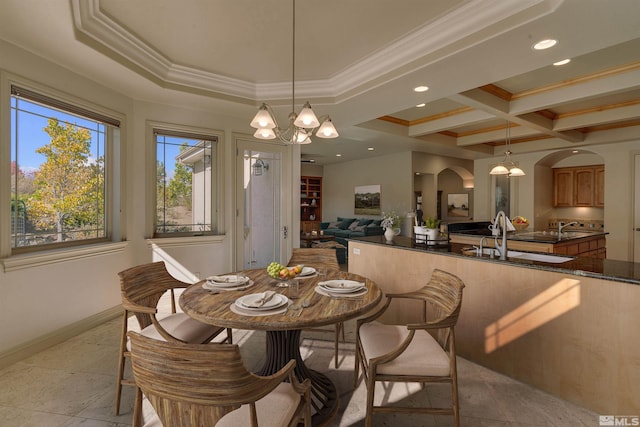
396,175
572,336
392,173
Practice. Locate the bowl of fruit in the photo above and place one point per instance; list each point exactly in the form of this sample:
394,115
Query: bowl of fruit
282,273
520,223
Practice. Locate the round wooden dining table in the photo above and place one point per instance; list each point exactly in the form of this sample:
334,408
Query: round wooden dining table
284,328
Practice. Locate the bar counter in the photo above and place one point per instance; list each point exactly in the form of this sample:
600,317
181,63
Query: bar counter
569,329
606,269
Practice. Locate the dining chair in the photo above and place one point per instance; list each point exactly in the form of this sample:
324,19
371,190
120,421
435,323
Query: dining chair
419,352
208,384
317,258
141,288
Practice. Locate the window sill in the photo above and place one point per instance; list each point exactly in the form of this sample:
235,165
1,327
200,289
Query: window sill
37,259
167,242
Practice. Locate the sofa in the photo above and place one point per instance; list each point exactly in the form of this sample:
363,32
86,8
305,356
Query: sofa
343,229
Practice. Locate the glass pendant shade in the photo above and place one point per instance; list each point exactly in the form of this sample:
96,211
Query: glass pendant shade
327,130
307,118
302,137
265,133
516,171
499,170
263,119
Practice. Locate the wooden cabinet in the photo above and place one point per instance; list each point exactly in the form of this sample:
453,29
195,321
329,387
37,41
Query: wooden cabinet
578,186
584,188
310,203
599,186
562,187
595,247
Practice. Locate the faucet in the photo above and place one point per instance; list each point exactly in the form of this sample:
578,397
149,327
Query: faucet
562,225
503,245
480,250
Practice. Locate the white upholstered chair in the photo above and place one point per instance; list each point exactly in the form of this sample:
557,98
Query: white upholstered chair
419,352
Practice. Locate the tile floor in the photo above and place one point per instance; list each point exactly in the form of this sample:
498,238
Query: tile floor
73,384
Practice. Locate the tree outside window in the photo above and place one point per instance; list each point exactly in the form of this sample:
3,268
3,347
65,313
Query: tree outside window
184,178
58,186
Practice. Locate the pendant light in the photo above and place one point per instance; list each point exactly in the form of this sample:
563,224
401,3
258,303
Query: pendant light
507,166
301,126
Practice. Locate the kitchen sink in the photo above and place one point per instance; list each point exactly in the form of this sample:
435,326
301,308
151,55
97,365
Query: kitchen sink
530,256
553,259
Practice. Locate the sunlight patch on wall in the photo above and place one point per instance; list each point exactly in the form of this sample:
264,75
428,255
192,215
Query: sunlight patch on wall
553,302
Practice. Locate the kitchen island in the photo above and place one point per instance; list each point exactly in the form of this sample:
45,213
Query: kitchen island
568,328
576,243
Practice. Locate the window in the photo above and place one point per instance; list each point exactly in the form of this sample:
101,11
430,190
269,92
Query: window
59,191
185,187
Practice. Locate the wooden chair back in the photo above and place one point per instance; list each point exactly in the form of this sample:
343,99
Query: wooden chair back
315,257
145,284
194,384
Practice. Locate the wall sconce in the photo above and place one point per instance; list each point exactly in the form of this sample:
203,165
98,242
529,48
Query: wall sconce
259,166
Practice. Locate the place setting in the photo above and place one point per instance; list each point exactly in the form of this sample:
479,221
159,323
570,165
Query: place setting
341,288
227,282
260,304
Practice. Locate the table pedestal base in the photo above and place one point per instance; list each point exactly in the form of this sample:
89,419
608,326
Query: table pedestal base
283,346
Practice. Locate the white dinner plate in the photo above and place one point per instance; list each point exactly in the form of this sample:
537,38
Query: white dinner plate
228,280
307,271
246,301
225,287
341,286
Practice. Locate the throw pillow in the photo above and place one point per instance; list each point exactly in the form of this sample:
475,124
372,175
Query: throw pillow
334,224
360,228
353,225
365,221
346,222
375,223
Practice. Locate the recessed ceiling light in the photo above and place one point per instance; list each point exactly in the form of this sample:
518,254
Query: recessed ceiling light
312,160
563,62
545,44
421,89
370,148
417,173
421,105
575,151
338,155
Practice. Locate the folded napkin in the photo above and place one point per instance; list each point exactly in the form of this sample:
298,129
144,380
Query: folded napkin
231,278
266,297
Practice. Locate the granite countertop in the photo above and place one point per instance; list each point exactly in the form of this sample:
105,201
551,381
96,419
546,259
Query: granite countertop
536,236
606,269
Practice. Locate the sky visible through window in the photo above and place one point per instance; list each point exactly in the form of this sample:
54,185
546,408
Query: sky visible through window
28,121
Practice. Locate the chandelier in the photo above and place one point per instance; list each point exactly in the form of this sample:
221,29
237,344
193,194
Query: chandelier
507,166
301,126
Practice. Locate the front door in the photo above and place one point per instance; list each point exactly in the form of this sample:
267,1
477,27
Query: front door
261,222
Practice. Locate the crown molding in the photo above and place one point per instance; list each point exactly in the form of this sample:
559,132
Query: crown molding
391,62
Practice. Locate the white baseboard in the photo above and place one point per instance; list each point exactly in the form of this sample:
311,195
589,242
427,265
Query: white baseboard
41,343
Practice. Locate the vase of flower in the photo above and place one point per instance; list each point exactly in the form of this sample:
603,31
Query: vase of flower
389,233
390,223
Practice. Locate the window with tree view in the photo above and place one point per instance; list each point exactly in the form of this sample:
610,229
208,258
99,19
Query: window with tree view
58,178
184,183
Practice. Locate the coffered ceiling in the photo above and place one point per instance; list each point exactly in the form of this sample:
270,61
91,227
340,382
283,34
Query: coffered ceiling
359,61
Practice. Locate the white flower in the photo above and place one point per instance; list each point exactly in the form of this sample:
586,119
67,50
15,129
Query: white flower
391,220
